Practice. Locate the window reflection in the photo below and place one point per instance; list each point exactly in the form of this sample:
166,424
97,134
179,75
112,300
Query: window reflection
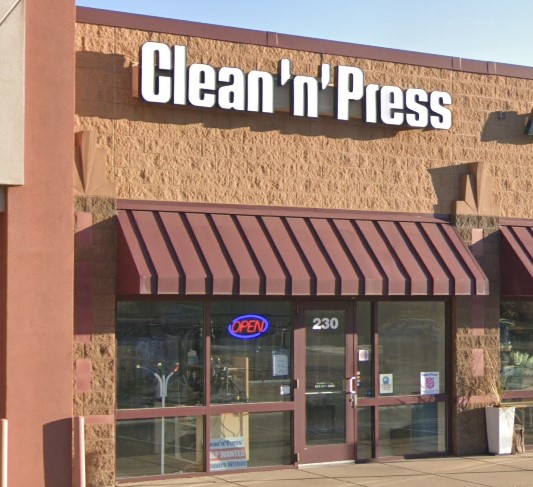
251,370
365,350
160,354
411,341
524,419
365,433
246,440
412,430
516,345
159,446
325,367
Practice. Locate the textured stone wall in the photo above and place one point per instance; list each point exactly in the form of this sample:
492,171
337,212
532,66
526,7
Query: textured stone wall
193,155
476,340
183,154
94,334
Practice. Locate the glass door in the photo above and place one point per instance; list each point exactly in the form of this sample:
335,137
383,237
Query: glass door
370,380
326,383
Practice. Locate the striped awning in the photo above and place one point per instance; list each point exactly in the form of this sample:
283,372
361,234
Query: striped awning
516,258
195,249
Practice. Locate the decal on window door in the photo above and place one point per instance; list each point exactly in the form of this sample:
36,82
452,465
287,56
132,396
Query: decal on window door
386,382
325,323
429,383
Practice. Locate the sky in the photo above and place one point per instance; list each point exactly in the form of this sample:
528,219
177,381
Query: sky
487,30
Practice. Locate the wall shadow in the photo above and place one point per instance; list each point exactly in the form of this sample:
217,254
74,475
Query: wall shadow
57,453
507,128
104,90
447,184
471,424
95,275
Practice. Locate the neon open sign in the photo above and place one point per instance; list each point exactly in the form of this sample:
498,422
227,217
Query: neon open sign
248,326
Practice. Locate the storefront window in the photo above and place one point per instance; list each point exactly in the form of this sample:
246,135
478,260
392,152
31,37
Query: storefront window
411,348
412,430
516,345
250,440
160,354
365,433
251,353
158,446
365,354
524,418
325,367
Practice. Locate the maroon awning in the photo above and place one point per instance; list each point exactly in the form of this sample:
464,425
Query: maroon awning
516,258
195,249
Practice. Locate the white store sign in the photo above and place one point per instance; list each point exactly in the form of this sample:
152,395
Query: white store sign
165,78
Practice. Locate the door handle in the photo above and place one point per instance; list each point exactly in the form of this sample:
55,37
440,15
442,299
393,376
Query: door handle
352,391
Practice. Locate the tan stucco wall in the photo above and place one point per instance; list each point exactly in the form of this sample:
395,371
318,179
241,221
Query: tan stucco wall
184,154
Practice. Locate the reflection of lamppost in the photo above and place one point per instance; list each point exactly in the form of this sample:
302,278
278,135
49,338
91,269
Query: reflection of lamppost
162,381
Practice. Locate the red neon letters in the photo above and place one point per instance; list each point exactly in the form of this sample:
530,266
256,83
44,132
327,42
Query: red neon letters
248,326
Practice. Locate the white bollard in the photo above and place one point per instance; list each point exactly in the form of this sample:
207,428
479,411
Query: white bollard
79,435
3,460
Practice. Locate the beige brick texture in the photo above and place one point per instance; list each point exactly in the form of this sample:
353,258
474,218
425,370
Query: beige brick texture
97,344
182,154
475,340
191,155
473,378
100,455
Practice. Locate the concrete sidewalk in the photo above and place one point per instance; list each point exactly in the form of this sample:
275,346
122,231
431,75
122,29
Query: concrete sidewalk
493,471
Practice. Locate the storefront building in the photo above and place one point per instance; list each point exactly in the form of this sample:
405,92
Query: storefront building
286,251
306,237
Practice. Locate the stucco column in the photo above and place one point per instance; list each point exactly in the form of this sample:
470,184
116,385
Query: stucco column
37,259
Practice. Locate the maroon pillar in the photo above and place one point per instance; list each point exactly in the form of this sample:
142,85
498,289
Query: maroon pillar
37,260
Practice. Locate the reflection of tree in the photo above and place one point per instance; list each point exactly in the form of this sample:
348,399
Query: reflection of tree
517,310
164,349
408,347
516,344
168,344
510,310
516,324
411,339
